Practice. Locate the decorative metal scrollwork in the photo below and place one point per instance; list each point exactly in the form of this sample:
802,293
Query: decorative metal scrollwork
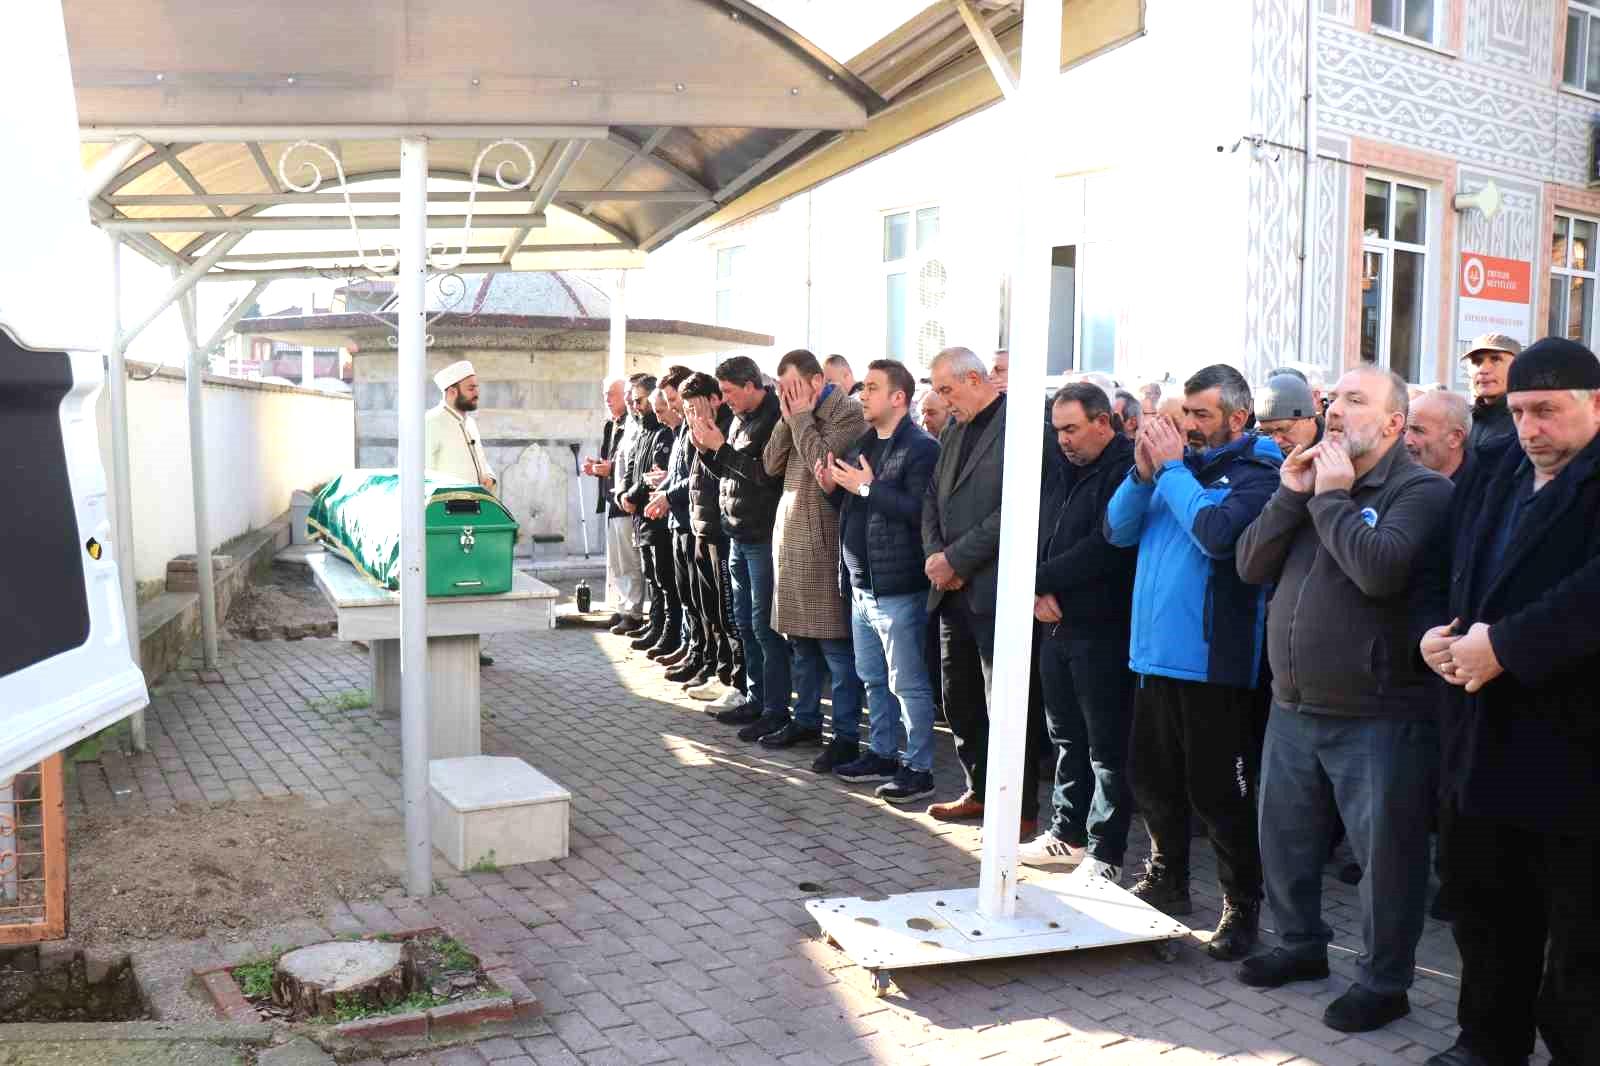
452,289
504,176
392,255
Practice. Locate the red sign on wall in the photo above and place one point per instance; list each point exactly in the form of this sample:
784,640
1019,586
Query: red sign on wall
1496,296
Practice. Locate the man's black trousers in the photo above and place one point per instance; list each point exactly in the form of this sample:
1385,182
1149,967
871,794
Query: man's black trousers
1196,744
694,630
1528,926
966,653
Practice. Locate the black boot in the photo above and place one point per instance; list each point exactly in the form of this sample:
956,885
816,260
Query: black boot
1238,930
686,669
1165,889
652,633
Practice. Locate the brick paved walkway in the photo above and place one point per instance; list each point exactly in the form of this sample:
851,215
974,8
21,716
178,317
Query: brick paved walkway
675,931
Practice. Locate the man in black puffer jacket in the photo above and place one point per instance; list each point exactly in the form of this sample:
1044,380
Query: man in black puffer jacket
878,487
1083,600
748,496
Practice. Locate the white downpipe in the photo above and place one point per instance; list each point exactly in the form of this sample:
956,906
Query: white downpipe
1308,184
414,710
617,347
122,521
193,383
1019,508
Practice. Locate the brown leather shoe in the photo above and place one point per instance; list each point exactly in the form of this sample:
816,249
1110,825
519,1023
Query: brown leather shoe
967,805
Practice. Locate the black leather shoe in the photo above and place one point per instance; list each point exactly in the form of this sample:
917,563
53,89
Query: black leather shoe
485,659
626,625
683,653
1238,930
615,619
662,648
1361,1010
645,639
790,735
1461,1055
767,723
683,671
1277,968
744,714
837,753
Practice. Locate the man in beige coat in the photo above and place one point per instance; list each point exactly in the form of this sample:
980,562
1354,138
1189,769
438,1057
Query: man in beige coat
819,421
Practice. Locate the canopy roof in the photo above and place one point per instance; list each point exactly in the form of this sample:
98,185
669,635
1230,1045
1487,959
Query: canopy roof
627,120
573,135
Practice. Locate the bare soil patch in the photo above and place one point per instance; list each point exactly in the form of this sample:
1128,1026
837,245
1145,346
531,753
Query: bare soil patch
223,868
286,605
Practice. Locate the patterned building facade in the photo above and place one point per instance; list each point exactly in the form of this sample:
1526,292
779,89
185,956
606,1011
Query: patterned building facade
1417,102
1177,211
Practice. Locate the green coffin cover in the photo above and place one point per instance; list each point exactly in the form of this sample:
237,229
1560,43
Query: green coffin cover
357,515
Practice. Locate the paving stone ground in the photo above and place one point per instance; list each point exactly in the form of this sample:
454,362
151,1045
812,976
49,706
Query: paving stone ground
675,930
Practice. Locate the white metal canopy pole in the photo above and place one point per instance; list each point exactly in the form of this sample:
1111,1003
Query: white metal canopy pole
192,384
413,367
1019,507
117,372
617,348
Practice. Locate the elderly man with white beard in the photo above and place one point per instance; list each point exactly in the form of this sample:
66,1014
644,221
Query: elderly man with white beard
1353,542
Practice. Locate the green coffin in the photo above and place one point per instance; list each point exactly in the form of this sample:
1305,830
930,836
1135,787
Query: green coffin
470,533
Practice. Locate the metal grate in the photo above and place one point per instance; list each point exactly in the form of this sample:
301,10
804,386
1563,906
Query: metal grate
33,855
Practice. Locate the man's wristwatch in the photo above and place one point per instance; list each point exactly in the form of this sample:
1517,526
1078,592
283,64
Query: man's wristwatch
864,489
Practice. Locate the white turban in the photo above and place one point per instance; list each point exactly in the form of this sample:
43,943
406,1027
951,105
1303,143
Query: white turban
453,374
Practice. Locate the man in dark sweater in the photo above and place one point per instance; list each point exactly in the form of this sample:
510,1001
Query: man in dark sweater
1351,541
878,487
1083,601
1491,356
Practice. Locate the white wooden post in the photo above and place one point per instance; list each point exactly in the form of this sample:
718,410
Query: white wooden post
1019,508
413,369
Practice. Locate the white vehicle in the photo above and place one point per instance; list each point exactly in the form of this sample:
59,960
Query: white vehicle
65,666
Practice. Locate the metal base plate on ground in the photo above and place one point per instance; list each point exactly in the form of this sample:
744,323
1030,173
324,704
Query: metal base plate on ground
1054,913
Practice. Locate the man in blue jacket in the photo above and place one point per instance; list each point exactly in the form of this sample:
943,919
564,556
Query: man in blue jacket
878,487
1196,645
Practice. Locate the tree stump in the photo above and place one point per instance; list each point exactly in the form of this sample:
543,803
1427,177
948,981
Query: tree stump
314,981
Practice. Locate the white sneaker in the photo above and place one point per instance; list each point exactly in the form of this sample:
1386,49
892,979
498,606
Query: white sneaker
1092,868
711,690
1047,849
727,701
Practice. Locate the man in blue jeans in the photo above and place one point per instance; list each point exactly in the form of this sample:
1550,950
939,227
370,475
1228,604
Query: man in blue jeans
1083,601
1353,541
749,499
878,487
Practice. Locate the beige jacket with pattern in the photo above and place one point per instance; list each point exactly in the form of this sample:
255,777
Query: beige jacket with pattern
805,537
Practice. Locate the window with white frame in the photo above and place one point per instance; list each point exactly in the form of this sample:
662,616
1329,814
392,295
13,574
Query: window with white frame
913,286
1394,276
1418,19
1572,278
1083,319
1580,67
732,268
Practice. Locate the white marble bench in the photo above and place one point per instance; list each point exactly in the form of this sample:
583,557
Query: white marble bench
372,614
